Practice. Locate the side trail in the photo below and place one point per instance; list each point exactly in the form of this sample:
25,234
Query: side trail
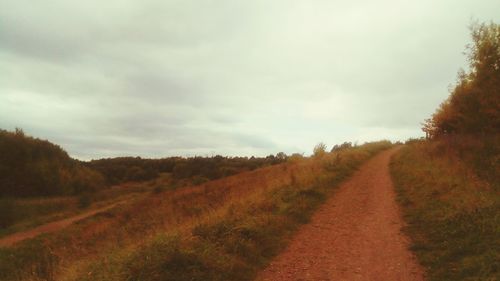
355,235
14,238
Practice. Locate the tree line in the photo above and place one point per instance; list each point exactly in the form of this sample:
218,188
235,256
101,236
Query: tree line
34,167
122,169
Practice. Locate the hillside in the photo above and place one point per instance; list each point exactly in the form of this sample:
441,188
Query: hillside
225,229
40,182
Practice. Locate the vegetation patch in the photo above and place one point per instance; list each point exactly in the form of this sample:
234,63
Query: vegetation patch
226,229
453,217
241,239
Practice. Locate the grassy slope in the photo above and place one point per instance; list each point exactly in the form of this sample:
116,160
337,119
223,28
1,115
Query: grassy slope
221,230
27,213
453,217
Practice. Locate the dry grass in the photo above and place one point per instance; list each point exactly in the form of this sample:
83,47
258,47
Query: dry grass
453,215
220,230
26,213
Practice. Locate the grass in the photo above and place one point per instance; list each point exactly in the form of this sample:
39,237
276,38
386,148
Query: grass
19,214
453,216
25,213
226,229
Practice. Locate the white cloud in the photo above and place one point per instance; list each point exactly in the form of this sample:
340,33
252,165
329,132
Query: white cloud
158,78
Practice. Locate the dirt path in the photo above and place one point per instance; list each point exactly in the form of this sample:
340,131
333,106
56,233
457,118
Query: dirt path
354,236
49,227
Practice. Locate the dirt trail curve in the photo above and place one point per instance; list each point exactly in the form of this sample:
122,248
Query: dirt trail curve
10,240
355,235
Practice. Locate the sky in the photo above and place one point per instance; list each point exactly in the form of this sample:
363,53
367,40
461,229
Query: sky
156,78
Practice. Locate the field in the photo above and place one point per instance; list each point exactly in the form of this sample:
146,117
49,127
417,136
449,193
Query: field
225,229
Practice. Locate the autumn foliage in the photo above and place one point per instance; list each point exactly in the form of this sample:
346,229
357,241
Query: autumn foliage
35,167
122,169
31,167
473,108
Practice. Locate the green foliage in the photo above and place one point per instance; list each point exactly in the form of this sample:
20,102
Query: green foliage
453,218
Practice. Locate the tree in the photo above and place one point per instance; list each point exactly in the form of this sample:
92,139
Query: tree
473,106
281,156
319,150
344,145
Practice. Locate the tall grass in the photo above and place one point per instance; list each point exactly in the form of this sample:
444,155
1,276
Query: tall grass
18,214
453,215
221,230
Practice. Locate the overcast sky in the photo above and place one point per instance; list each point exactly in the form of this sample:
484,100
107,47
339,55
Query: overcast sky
197,77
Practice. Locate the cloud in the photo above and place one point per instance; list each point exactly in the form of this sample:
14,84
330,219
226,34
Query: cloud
158,78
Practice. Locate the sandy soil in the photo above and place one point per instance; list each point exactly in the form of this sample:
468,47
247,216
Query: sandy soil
355,235
49,227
